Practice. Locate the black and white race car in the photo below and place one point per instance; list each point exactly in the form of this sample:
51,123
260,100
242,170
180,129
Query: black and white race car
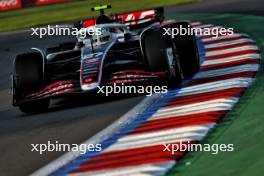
131,49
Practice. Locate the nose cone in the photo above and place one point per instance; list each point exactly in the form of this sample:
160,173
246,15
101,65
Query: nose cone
90,75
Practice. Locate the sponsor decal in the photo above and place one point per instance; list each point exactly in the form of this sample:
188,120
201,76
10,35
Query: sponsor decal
137,17
128,18
9,4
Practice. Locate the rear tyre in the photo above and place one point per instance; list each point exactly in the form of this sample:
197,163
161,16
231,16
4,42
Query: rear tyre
187,49
154,45
178,77
28,77
155,59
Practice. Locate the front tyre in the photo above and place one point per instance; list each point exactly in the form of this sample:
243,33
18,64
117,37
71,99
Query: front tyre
28,76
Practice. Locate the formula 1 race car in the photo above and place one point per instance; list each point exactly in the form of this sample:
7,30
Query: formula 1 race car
131,49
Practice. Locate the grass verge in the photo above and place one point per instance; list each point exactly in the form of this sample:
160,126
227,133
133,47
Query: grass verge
66,12
243,126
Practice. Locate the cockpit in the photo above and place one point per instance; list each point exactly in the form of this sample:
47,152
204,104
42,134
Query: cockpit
102,34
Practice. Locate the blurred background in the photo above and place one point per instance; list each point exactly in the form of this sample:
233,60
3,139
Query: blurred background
21,14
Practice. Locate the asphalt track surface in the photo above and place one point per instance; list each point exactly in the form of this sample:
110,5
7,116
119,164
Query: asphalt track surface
69,120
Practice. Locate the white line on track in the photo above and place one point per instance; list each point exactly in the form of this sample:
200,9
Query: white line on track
217,39
225,71
162,137
197,111
141,170
212,86
174,131
228,43
223,104
231,59
235,49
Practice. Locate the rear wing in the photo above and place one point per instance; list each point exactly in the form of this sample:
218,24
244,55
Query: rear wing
131,18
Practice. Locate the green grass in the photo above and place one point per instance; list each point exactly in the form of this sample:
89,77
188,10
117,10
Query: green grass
67,12
243,126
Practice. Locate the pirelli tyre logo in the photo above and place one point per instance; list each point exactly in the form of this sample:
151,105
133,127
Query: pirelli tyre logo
9,4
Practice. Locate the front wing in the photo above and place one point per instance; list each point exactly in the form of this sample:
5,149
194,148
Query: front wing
64,87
